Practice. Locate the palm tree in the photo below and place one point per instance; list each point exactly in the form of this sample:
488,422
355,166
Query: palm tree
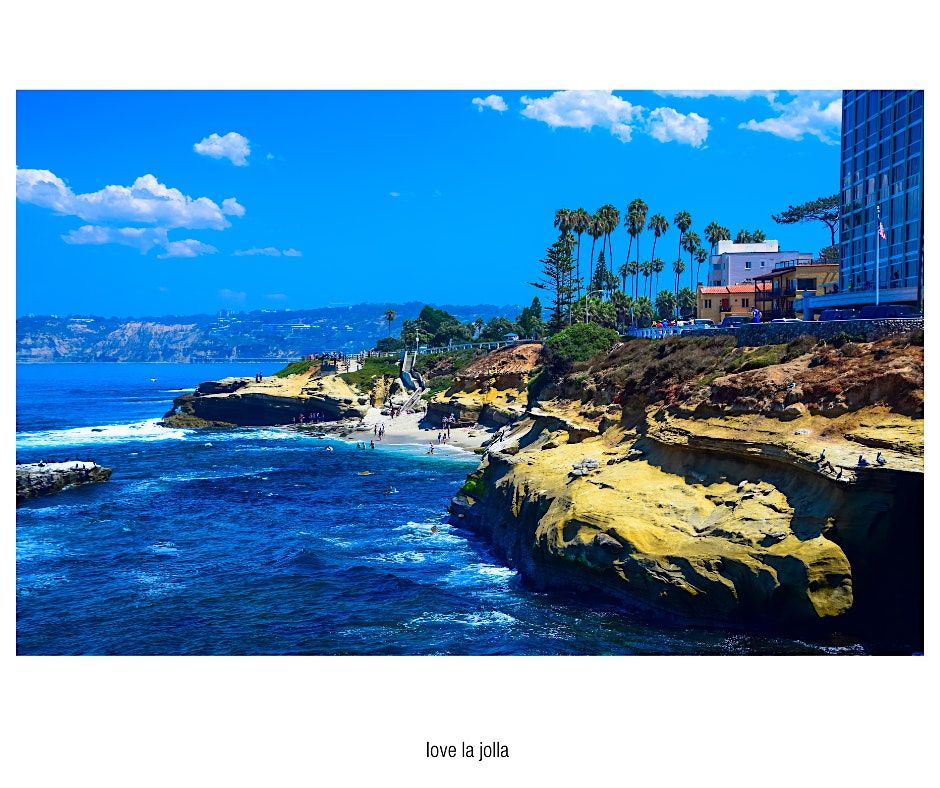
686,300
630,222
563,219
713,234
643,311
638,211
595,230
624,270
658,266
677,268
611,219
646,268
743,237
758,236
700,257
623,306
665,304
682,220
478,326
390,315
690,243
580,222
658,224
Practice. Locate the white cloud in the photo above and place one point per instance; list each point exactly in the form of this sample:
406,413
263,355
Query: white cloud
146,201
267,251
187,248
667,125
740,95
232,146
812,112
232,207
585,109
142,238
394,194
492,101
232,295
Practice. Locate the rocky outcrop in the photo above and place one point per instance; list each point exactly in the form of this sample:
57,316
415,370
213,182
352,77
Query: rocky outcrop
491,390
35,479
658,478
272,401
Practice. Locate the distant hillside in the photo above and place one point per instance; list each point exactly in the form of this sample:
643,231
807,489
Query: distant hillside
225,336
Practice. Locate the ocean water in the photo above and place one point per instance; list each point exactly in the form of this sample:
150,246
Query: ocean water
258,541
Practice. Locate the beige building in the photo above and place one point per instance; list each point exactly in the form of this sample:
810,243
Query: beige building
715,303
785,286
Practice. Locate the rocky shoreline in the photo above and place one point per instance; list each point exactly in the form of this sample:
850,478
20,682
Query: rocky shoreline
41,478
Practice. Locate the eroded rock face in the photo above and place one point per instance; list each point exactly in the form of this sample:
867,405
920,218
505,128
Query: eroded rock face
716,506
491,390
272,401
35,479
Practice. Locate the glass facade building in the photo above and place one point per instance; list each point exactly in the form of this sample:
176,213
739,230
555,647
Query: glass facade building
882,165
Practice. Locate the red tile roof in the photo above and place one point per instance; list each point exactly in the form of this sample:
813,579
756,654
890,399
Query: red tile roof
731,289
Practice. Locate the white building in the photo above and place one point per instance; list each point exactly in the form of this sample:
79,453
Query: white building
737,264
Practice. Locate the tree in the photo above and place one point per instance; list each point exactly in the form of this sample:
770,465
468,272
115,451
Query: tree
580,222
610,218
822,209
389,345
530,320
390,315
691,242
677,268
622,305
758,236
713,234
589,309
496,330
646,268
829,254
478,326
682,220
557,268
624,272
637,211
700,257
643,312
595,230
658,266
743,237
665,304
686,302
604,281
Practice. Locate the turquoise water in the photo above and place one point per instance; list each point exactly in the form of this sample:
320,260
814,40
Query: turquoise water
258,541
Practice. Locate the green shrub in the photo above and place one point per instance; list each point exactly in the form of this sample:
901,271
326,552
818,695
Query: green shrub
765,356
537,381
295,368
917,337
473,487
842,337
580,342
437,384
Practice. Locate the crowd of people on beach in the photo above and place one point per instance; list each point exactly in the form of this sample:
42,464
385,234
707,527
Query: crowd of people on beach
309,418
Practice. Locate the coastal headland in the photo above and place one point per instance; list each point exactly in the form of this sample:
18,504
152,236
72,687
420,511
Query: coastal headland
778,486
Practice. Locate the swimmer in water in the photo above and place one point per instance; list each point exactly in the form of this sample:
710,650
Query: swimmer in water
329,448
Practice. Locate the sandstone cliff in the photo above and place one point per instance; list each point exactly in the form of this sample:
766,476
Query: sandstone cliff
272,401
491,390
709,482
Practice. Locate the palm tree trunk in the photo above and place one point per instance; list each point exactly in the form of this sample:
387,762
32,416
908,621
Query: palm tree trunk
579,265
591,264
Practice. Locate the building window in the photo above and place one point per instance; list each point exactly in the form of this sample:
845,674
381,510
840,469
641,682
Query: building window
747,265
708,303
761,263
806,284
745,302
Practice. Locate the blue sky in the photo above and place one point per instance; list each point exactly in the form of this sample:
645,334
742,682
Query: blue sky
150,203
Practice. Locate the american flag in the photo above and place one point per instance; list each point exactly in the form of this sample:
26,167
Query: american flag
881,231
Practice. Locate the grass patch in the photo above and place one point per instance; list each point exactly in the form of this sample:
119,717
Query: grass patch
436,385
432,365
761,357
372,368
295,368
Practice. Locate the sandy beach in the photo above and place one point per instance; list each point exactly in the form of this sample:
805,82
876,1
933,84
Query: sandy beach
406,429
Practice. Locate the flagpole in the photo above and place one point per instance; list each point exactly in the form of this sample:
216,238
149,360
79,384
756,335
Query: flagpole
877,254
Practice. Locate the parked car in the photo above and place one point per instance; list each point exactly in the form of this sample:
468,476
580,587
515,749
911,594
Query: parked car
838,314
786,320
887,310
703,322
733,321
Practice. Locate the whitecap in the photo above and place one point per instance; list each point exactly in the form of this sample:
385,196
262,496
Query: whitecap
148,430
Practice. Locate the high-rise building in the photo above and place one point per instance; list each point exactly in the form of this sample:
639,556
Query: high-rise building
882,168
